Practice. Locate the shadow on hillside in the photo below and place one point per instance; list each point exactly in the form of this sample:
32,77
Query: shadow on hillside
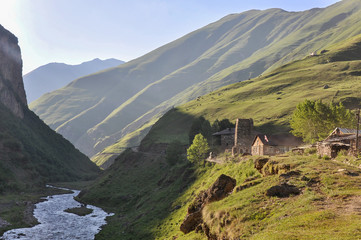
141,189
272,127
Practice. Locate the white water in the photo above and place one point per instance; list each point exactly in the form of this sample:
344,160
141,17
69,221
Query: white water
57,224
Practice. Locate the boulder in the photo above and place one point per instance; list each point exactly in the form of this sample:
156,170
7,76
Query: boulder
290,174
220,189
259,163
191,222
273,167
283,190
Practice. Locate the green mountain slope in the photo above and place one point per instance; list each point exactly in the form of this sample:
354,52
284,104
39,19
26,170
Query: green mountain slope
53,76
270,99
150,197
233,49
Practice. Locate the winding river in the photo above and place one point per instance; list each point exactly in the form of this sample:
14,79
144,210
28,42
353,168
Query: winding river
57,224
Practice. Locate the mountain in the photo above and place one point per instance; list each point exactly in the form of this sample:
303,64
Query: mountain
31,154
120,104
53,76
151,197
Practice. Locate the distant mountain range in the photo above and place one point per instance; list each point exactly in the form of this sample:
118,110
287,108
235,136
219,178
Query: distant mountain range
120,105
53,76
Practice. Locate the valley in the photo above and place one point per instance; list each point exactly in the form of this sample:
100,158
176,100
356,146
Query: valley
121,136
118,106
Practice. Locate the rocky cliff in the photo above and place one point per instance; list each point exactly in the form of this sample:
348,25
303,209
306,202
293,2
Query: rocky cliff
12,93
31,154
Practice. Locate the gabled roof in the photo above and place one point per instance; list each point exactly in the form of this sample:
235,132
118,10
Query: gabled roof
342,138
341,133
227,131
279,140
346,131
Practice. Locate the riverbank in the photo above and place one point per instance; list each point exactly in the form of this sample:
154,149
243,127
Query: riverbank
56,223
16,209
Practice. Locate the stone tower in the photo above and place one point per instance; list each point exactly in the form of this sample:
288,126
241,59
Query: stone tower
243,136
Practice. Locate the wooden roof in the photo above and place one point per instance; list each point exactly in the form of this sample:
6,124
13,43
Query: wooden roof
279,140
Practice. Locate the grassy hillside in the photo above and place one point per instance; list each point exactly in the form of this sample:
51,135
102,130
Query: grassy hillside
151,197
96,111
53,76
32,154
270,99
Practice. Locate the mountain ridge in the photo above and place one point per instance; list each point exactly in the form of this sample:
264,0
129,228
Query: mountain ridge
233,49
328,190
55,75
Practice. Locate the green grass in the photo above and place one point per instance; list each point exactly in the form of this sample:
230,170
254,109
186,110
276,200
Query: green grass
96,111
32,154
271,99
16,208
150,200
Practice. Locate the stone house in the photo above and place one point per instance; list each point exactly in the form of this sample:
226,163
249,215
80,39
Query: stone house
340,139
238,139
226,137
274,144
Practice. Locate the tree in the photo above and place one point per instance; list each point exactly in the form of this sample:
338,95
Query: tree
221,125
174,152
314,120
200,125
199,149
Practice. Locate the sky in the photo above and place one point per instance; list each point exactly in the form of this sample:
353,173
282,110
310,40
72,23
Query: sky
74,31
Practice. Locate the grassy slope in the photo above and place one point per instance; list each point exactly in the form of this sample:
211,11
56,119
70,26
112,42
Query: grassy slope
32,154
270,99
53,76
232,49
314,35
150,198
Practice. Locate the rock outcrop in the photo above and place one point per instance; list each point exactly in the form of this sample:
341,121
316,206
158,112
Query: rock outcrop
220,189
12,93
283,190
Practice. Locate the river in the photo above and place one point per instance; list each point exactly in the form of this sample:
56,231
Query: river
57,224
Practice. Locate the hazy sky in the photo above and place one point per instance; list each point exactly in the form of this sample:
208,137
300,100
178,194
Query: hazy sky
74,31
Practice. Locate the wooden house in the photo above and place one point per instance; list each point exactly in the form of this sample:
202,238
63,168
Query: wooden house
274,144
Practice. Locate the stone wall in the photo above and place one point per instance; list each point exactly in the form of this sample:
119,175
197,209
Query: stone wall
244,136
12,92
227,141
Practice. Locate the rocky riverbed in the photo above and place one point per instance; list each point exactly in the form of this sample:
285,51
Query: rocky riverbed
55,223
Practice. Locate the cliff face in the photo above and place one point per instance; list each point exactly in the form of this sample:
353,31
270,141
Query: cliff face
12,93
30,152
